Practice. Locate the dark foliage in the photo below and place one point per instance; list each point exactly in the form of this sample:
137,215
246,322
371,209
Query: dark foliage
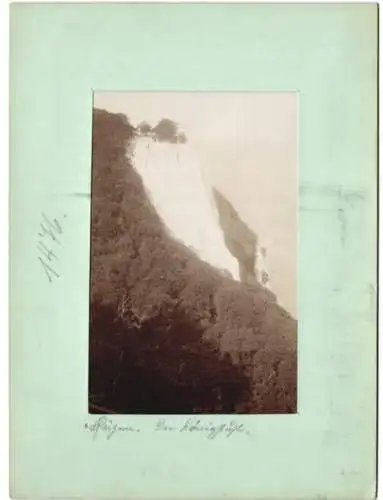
239,238
144,128
182,138
169,333
161,367
166,130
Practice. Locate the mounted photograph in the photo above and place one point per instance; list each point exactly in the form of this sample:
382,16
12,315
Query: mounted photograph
194,242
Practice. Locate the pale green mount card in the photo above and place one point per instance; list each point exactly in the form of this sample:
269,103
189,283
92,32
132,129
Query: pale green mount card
193,251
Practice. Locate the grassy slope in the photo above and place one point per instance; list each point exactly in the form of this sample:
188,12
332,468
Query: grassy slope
169,333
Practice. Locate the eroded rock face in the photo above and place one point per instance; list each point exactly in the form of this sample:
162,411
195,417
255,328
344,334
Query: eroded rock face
242,243
174,183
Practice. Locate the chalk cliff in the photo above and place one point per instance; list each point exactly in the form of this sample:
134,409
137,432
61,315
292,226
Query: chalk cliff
169,332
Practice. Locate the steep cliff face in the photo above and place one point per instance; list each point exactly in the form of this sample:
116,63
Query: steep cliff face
169,333
242,242
174,183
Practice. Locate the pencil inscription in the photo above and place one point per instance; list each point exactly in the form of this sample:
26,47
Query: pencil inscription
49,235
210,430
105,426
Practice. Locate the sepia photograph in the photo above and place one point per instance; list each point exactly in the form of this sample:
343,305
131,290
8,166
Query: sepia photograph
193,265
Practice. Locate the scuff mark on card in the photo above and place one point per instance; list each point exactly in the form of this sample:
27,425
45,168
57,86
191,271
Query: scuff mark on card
343,225
348,194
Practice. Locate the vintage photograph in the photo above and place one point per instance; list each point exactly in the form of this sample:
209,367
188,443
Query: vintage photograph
193,266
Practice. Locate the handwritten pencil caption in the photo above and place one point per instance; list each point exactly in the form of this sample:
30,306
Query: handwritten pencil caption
106,427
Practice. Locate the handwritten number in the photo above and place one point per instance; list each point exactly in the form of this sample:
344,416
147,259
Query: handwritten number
49,254
48,270
49,229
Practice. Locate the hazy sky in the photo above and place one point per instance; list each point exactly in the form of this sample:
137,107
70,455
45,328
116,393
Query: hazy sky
204,115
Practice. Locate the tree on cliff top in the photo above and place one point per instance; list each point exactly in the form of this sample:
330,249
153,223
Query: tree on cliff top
182,138
166,130
144,128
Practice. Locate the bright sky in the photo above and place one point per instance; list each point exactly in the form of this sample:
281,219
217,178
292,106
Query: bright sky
255,116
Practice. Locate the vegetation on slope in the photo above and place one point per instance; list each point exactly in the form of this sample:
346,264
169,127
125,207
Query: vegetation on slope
239,239
168,332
